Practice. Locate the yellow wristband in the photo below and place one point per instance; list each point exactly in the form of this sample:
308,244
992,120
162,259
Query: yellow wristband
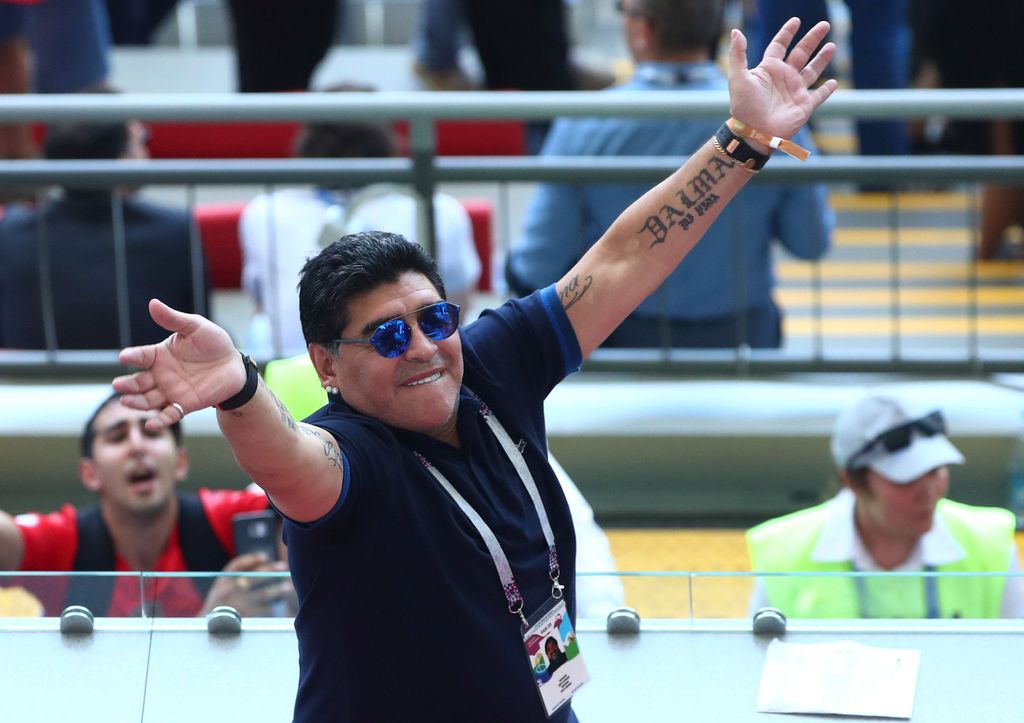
786,146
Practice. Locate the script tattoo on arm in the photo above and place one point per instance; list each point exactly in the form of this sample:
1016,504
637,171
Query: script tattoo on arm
331,450
574,290
286,416
696,198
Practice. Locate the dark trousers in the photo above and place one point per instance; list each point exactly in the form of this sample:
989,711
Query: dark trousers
759,327
522,45
278,43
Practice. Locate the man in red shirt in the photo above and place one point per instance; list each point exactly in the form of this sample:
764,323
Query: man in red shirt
141,523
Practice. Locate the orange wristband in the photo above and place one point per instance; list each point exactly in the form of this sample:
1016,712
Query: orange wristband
786,146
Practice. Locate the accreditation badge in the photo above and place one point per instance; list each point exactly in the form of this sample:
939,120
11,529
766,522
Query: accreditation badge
554,655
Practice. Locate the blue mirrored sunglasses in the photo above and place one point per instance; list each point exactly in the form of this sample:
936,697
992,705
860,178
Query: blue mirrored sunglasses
393,337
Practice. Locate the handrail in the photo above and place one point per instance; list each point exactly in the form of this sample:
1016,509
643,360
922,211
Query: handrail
527,105
424,170
103,174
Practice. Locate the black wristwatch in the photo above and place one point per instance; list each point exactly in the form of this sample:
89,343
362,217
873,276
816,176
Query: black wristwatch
737,149
248,391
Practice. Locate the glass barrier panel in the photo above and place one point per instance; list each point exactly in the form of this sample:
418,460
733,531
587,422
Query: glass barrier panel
252,594
863,595
34,594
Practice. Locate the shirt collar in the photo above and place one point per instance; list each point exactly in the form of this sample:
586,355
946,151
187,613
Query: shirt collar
840,542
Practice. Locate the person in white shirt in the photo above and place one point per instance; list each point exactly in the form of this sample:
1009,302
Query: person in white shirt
280,230
891,515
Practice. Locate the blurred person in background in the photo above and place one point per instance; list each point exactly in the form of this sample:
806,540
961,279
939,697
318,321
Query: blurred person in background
721,296
142,522
892,459
281,230
62,262
880,50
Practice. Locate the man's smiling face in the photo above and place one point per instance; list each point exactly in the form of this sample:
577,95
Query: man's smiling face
417,390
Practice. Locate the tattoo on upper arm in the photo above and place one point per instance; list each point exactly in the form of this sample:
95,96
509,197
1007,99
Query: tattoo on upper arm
574,290
696,198
331,449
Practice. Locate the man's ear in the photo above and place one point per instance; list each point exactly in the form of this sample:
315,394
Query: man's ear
182,465
323,361
87,473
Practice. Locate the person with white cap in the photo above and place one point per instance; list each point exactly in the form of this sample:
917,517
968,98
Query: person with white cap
891,515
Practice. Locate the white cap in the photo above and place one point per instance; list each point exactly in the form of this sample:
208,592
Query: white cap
876,414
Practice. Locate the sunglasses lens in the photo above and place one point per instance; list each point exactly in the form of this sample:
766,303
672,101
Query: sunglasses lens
933,424
391,338
897,439
440,320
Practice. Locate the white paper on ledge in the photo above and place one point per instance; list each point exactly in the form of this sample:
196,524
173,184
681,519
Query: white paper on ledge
840,678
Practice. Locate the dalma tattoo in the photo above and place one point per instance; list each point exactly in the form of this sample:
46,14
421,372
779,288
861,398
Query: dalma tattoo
696,198
574,290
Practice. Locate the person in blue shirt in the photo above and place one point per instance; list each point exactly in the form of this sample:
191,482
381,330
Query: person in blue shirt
722,295
420,507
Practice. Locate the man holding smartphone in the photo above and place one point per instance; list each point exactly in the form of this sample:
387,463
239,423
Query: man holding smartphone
141,522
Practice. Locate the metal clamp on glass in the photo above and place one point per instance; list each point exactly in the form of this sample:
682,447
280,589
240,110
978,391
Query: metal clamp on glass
769,621
623,621
76,620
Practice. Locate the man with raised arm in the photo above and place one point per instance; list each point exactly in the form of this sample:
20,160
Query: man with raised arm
422,515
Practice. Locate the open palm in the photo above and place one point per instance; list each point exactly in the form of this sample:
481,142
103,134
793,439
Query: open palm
776,96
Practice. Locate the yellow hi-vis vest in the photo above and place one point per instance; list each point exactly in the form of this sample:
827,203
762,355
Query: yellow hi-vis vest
784,544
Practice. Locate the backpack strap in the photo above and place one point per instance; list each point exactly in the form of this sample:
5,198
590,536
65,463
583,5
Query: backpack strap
95,553
200,546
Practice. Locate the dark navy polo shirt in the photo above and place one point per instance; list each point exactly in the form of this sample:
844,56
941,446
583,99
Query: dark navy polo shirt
402,616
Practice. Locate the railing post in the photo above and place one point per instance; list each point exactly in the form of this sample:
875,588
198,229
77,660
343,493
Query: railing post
423,149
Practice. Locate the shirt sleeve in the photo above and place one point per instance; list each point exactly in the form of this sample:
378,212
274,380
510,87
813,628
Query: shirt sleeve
553,225
804,220
51,540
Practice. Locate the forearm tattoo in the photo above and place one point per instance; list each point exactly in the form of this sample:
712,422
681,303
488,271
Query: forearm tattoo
696,198
574,290
286,416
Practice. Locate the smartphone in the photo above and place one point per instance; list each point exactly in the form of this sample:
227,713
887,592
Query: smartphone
256,532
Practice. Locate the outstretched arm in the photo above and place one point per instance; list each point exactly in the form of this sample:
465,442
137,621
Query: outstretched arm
197,366
653,235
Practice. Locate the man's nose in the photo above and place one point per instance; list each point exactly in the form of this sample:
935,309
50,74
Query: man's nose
421,346
136,436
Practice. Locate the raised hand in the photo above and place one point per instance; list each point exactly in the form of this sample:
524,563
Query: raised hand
776,96
197,366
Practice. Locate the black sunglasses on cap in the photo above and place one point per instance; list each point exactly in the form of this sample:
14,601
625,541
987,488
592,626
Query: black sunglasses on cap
392,338
900,437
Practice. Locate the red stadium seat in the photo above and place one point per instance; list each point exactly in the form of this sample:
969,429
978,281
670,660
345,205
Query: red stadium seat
218,226
222,140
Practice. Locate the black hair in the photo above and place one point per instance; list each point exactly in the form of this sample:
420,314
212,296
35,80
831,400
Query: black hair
89,432
357,139
682,25
351,139
85,141
355,264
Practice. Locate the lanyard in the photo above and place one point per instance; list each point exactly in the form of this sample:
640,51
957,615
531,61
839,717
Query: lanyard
931,592
501,563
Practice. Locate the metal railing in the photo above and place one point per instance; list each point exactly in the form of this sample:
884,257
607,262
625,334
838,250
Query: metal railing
424,170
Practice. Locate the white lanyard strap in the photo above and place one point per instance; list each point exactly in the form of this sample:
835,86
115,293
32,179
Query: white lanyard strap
501,563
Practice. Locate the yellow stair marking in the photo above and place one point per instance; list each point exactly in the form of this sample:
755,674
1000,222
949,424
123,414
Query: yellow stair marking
871,296
906,236
908,270
685,550
930,325
941,201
